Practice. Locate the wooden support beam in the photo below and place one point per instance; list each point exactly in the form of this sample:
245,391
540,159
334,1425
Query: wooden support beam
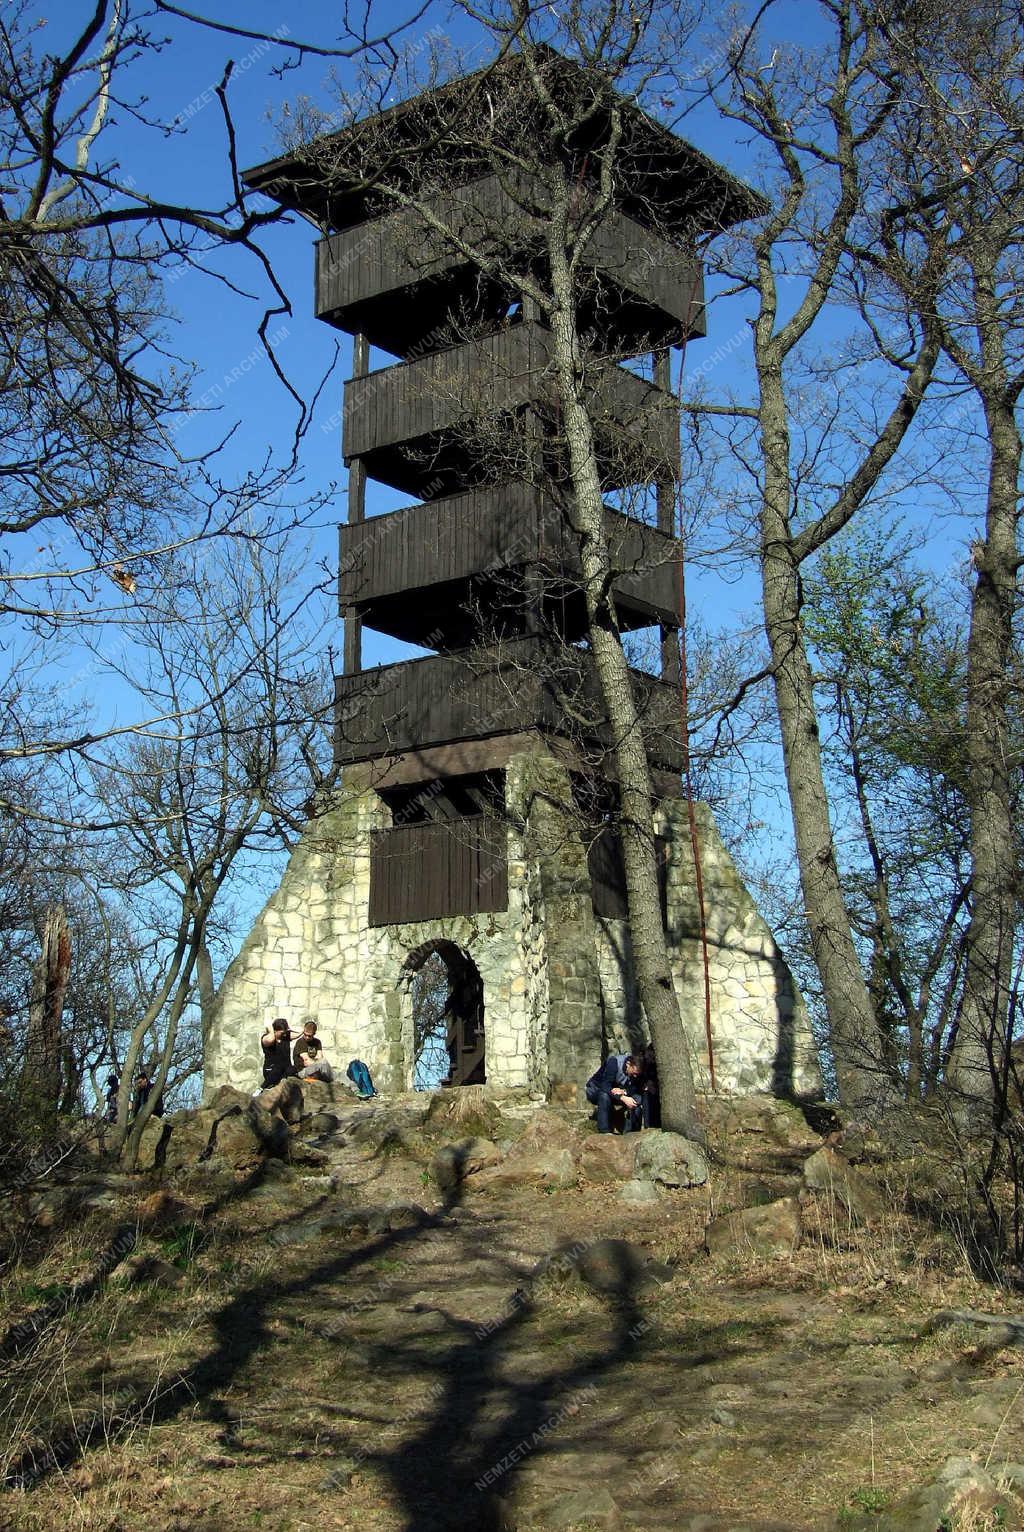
353,654
671,664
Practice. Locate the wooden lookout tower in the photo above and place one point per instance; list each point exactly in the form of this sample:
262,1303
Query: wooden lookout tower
458,913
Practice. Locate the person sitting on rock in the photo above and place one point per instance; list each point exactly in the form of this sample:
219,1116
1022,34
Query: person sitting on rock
277,1061
308,1056
615,1088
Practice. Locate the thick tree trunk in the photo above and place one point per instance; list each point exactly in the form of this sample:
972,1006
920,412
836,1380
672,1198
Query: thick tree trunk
853,1032
982,1033
49,984
650,956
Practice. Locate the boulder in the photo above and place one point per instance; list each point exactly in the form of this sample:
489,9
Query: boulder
152,1145
549,1130
53,1206
227,1099
269,1128
238,1145
751,1122
321,1123
829,1173
390,1140
304,1154
454,1162
771,1230
395,1216
189,1138
670,1160
608,1157
285,1099
549,1167
638,1193
964,1494
319,1094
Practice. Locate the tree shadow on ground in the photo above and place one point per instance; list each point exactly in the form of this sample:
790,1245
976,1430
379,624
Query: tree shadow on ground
498,1386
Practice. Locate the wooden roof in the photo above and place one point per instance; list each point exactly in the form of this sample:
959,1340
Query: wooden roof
449,133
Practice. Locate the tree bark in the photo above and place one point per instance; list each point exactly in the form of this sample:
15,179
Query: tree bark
855,1041
49,984
636,825
982,1032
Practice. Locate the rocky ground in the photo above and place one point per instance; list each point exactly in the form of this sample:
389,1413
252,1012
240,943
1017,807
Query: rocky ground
427,1313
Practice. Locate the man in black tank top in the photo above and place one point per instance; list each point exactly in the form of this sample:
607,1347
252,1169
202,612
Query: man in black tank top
277,1060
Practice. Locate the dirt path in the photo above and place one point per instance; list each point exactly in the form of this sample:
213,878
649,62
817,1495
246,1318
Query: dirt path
445,1368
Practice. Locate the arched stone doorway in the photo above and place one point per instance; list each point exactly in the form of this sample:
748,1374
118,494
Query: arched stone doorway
447,1003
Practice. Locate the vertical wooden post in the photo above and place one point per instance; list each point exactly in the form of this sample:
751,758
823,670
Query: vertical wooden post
667,490
353,656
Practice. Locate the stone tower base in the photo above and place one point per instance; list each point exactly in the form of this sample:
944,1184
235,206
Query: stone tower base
557,978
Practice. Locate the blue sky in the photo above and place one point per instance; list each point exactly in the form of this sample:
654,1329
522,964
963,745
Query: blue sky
214,328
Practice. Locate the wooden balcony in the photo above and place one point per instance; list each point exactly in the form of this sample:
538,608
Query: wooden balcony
400,282
456,419
510,688
434,574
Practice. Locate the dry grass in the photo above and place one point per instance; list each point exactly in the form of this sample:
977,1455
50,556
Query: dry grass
774,1390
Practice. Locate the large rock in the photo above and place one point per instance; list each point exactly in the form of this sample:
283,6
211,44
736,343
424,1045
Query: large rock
608,1157
771,1230
53,1206
189,1140
238,1144
152,1145
305,1154
591,1506
285,1099
269,1128
548,1130
148,1268
670,1160
757,1116
638,1193
322,1123
454,1162
226,1099
963,1494
829,1173
549,1167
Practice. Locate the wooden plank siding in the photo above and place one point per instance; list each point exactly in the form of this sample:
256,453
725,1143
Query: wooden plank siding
467,536
445,698
364,268
608,875
499,373
430,871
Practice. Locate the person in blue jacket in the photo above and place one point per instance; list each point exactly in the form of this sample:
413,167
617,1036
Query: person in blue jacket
616,1086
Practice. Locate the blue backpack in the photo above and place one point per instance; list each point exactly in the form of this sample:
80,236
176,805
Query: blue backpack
358,1073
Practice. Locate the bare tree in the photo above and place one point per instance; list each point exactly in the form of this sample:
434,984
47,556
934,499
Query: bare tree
813,451
196,808
954,157
97,485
